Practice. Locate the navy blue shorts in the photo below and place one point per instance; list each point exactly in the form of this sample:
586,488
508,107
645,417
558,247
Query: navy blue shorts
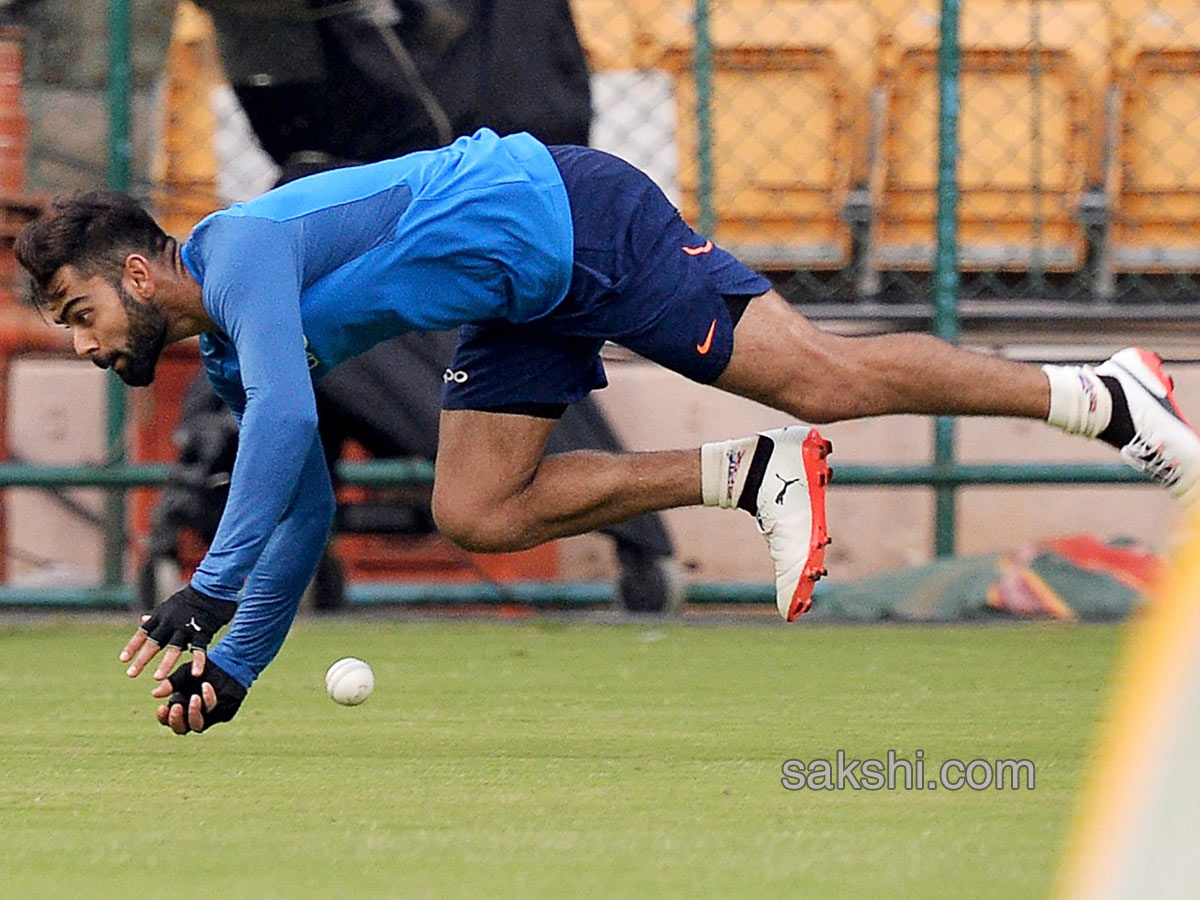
642,279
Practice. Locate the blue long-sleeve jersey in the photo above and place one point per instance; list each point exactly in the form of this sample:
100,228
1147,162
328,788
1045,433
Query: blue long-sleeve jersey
320,270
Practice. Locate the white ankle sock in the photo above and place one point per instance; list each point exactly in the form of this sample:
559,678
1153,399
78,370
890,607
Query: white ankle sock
723,469
1079,401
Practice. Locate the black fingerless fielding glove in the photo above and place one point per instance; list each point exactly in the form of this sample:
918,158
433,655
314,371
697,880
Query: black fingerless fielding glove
230,693
188,619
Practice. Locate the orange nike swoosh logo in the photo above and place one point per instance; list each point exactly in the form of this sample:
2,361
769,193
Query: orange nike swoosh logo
704,348
696,251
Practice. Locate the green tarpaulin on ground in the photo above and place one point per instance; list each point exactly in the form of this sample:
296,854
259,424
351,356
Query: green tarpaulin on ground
1078,578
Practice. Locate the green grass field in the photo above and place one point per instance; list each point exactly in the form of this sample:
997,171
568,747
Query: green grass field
542,759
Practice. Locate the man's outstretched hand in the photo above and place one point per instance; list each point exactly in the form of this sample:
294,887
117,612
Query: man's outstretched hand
185,619
197,703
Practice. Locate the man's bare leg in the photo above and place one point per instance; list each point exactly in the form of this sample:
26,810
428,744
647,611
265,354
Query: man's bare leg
495,491
783,360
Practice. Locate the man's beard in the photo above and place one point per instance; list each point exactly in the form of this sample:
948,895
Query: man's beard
147,336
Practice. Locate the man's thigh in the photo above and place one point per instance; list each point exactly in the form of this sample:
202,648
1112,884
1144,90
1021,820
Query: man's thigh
485,458
778,355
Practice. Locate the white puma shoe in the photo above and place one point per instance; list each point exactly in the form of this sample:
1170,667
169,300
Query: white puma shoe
791,473
1165,445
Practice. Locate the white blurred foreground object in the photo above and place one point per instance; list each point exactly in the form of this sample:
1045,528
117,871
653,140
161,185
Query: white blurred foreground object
349,681
1135,829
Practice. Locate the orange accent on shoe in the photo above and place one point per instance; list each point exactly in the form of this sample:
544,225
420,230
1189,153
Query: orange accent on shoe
815,449
1154,363
702,349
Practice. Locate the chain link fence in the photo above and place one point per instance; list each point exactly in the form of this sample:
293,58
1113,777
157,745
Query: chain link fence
802,134
816,155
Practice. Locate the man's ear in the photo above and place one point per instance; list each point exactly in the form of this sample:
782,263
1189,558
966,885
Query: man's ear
138,276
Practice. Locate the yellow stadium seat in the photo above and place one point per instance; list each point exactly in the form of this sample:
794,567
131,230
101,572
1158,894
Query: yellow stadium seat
788,123
1154,182
608,31
1029,145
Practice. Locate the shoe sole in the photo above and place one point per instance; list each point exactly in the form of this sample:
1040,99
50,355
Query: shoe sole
815,452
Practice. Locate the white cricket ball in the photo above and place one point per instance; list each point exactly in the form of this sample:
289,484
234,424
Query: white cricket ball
349,681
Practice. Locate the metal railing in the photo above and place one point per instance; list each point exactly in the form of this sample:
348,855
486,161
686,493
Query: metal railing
944,475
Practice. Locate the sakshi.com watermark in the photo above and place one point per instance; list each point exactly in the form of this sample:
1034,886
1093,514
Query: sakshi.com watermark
898,773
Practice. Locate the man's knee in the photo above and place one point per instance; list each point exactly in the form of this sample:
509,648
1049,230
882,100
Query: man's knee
808,375
476,528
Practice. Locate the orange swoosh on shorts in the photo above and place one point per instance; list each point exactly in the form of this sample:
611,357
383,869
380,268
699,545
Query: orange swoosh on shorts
704,348
696,251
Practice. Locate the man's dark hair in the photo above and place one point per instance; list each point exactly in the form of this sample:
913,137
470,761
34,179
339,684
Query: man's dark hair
94,232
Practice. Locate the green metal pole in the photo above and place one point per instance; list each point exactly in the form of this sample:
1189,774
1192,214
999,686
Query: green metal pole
703,72
119,157
945,275
114,503
120,147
